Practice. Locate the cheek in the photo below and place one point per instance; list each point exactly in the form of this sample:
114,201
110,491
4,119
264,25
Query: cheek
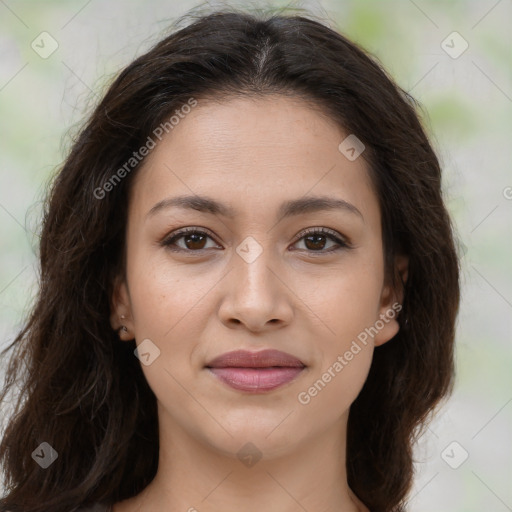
343,346
165,297
168,310
345,303
331,391
342,301
168,306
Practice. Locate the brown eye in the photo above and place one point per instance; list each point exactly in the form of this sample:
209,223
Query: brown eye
194,241
316,240
191,240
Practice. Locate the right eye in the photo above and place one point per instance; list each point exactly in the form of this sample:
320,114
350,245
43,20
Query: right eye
194,240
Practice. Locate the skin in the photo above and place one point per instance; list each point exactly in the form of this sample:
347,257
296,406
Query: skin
252,154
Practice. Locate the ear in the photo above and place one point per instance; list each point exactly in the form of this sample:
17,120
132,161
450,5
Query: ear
120,309
391,303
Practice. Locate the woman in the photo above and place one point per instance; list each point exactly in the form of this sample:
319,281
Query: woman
248,289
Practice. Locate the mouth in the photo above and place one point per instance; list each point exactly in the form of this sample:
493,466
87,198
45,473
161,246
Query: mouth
256,372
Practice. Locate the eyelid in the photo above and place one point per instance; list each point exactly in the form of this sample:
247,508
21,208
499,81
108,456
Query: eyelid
323,231
178,233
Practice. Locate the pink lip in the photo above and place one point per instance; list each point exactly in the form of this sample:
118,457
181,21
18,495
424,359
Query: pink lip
256,371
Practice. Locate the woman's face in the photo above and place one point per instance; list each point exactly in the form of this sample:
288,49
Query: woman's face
252,279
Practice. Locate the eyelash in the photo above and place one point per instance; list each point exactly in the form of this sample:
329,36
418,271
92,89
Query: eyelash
342,244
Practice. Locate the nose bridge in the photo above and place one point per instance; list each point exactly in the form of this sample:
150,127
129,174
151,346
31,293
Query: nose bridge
255,294
252,261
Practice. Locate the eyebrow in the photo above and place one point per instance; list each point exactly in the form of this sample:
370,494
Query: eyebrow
303,205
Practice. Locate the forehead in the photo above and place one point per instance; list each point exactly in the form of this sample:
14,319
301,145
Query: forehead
273,124
252,151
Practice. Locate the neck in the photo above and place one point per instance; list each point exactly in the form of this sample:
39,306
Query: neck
193,476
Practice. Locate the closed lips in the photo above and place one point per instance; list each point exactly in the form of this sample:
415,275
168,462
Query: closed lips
262,359
256,372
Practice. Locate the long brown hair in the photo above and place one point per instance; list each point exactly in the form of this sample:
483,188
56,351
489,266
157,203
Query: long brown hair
83,392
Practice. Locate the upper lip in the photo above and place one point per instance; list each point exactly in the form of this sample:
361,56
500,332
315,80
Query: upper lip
261,359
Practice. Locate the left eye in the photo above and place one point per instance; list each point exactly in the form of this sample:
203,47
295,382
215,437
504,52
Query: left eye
314,240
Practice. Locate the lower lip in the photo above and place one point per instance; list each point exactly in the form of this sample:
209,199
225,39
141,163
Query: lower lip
256,380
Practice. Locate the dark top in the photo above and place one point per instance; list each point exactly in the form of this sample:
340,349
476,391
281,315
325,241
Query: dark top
95,508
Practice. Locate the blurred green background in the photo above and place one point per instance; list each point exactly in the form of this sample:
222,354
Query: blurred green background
466,98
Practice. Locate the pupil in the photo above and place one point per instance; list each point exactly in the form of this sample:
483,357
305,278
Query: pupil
318,239
194,239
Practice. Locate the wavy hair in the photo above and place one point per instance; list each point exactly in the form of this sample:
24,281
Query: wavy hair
83,391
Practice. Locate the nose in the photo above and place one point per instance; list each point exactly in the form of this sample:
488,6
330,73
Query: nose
256,294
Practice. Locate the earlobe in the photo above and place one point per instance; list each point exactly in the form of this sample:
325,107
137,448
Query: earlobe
387,325
391,303
120,311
